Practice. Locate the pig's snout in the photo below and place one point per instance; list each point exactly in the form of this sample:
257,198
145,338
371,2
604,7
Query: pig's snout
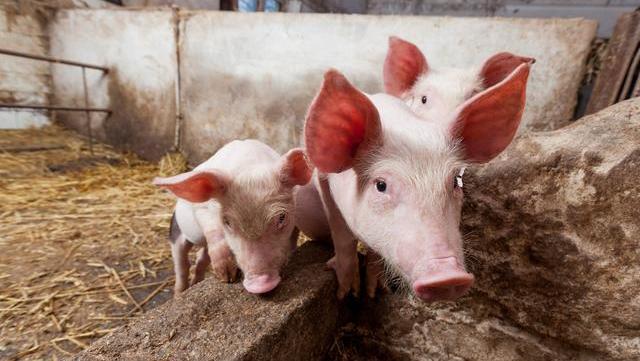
261,283
442,279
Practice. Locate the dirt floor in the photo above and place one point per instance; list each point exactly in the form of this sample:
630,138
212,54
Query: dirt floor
83,245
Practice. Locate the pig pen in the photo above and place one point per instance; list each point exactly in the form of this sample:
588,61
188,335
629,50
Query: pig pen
84,241
193,80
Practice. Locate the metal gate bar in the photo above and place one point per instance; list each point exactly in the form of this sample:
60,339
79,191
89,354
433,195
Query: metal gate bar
86,109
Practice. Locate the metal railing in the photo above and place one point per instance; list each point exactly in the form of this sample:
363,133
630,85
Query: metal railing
86,109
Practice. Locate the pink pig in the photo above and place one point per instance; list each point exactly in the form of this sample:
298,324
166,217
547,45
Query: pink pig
388,176
437,93
238,204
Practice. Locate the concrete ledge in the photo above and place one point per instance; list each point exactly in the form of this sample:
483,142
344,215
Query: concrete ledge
214,321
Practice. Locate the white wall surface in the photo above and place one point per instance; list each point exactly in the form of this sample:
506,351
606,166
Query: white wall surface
23,81
139,47
254,75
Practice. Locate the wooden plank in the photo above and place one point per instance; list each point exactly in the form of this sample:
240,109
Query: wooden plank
31,148
625,93
616,63
636,90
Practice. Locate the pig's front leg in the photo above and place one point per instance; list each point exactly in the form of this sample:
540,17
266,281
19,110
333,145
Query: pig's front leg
345,261
180,252
202,262
222,261
220,257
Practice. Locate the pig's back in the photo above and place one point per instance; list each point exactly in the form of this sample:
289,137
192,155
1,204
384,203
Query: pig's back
238,155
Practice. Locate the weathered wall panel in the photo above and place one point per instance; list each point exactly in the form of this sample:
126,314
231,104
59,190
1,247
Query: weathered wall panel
604,11
23,81
253,75
140,49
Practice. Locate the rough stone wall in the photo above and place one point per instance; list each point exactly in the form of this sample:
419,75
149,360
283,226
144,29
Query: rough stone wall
219,321
23,81
393,328
555,227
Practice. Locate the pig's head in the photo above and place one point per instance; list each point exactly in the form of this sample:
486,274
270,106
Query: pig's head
405,201
437,93
256,213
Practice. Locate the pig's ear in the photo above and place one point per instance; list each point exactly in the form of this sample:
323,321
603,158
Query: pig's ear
487,123
500,66
341,124
294,169
402,67
196,186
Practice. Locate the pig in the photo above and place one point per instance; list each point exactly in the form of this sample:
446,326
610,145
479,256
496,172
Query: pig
239,206
437,93
391,177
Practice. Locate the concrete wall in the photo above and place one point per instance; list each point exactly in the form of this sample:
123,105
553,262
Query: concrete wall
139,47
606,12
185,4
254,75
23,81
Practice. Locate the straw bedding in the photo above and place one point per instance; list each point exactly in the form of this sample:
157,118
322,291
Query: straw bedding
82,241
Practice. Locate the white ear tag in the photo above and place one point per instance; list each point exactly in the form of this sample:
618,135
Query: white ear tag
458,178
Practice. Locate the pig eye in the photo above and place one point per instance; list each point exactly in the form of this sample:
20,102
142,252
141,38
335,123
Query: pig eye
226,222
424,99
381,185
282,218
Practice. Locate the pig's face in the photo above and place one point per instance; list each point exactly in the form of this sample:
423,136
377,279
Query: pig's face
258,220
410,205
436,94
256,216
407,203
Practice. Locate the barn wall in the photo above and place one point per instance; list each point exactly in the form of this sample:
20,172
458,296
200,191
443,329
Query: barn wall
139,47
23,81
606,12
253,75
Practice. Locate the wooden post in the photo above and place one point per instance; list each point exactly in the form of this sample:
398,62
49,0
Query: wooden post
620,65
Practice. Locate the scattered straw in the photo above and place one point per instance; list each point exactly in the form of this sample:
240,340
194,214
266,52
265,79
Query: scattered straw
78,233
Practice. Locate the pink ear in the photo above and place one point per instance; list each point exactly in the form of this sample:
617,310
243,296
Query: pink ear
500,66
402,67
341,122
487,123
295,170
196,186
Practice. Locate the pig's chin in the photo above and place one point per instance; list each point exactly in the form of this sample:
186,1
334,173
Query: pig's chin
261,283
440,279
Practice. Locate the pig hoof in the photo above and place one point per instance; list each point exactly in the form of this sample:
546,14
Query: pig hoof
226,274
233,273
178,290
348,277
